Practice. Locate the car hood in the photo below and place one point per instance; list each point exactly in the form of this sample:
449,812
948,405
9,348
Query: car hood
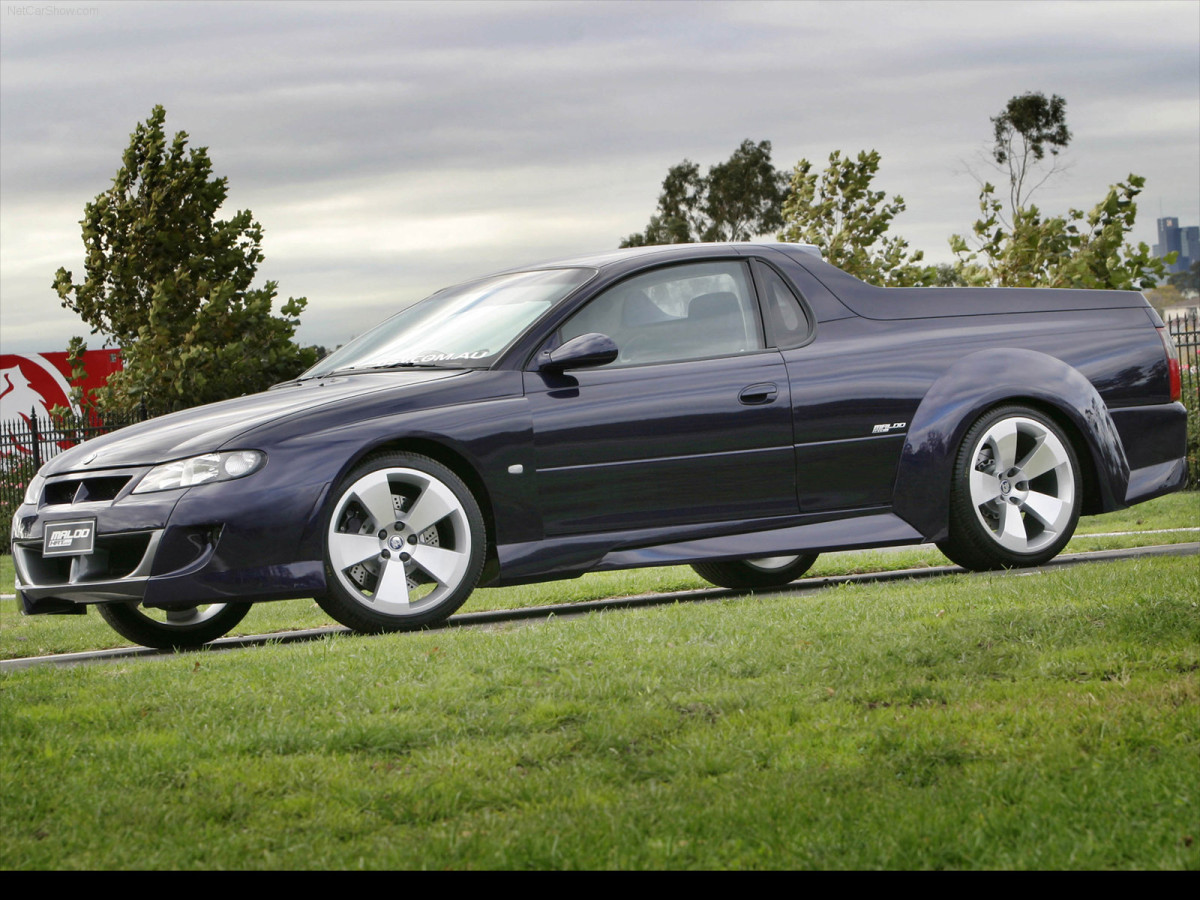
206,428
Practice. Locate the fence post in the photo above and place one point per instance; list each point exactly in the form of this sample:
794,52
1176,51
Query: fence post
37,438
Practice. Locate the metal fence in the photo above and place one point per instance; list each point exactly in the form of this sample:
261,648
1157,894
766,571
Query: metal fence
1185,331
26,444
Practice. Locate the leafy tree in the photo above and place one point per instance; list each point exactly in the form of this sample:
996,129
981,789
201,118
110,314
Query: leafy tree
171,284
947,275
1079,250
1028,127
1024,248
839,213
735,201
1164,296
1189,280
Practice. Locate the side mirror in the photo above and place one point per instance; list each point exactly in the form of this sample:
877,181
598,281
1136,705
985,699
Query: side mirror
586,350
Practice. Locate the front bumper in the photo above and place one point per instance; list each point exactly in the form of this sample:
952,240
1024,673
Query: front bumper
243,540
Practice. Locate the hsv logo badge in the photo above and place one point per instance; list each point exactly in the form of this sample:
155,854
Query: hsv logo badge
69,538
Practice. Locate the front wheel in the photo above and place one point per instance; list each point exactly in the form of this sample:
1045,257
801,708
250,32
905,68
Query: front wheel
164,629
1016,492
759,573
404,545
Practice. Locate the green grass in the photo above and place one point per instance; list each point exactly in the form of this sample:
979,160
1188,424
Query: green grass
1181,510
1046,721
22,636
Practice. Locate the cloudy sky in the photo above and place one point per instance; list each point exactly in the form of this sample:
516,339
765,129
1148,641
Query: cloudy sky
391,148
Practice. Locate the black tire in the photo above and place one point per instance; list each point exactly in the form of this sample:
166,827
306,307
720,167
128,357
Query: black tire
179,629
405,544
755,574
1015,493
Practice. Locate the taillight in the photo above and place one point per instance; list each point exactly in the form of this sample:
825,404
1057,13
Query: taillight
1172,364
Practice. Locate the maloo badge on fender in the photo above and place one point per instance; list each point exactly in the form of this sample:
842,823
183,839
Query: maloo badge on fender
884,429
69,538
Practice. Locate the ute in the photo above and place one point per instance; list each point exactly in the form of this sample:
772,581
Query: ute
736,407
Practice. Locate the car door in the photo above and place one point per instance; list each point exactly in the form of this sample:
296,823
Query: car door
850,409
690,424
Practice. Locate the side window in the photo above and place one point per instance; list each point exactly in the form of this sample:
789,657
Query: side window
677,313
786,321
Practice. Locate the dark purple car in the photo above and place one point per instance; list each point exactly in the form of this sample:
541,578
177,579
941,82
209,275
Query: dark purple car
736,407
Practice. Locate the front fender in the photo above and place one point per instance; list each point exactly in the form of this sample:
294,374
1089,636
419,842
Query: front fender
979,381
489,438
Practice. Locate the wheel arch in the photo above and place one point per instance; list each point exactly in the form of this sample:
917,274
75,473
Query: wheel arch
980,382
454,460
1092,495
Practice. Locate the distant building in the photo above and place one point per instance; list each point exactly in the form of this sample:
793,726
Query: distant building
1183,241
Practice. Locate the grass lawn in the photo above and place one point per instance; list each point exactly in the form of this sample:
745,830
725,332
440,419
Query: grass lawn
970,722
1044,721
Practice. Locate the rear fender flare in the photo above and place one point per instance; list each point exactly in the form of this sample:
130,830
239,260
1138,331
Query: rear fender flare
976,383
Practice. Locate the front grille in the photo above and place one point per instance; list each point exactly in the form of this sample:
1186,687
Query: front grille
91,489
115,556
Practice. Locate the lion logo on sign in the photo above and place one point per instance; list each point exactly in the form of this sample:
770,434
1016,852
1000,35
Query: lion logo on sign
17,396
30,385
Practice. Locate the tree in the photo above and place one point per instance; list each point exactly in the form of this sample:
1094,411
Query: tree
170,283
947,275
1079,250
1028,127
1164,296
839,213
737,200
1187,281
1023,248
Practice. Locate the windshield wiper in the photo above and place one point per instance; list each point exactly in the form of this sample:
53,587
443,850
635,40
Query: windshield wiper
352,370
415,365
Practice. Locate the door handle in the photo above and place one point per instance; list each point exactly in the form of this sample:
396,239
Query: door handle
758,394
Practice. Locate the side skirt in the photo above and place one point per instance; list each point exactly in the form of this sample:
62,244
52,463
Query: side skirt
885,530
570,557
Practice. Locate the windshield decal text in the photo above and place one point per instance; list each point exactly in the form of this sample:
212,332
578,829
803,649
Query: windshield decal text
446,357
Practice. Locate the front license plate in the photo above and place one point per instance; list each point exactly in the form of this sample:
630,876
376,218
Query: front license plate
69,538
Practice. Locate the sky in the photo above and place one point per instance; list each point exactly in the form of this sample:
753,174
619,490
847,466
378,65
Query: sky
392,148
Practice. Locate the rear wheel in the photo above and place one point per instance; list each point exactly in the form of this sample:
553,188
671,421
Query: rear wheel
404,544
758,573
162,629
1016,492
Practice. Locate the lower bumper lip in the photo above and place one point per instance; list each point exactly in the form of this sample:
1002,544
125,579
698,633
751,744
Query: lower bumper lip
117,569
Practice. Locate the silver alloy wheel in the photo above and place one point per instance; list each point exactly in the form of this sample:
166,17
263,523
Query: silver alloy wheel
771,563
399,541
1021,484
188,617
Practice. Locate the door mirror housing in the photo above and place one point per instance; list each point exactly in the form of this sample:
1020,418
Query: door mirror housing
587,350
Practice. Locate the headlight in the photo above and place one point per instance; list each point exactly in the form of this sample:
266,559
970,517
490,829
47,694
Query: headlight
200,470
34,491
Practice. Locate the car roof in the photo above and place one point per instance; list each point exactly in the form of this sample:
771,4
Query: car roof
606,258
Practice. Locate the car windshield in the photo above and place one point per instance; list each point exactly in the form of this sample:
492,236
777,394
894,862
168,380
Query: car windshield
468,325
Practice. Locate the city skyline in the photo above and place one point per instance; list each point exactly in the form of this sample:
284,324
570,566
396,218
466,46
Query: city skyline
1181,239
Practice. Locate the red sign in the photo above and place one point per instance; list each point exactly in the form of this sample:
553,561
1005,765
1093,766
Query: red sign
37,382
